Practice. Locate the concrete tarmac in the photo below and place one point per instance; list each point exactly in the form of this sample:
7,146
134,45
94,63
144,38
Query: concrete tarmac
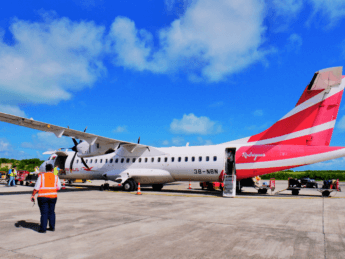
174,223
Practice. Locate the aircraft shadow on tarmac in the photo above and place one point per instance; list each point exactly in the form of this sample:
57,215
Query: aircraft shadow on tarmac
30,225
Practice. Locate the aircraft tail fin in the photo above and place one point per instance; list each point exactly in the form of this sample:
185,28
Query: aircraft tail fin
311,121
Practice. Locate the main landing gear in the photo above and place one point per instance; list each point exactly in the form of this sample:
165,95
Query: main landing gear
130,185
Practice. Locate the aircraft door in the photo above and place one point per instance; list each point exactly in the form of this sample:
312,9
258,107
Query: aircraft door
230,168
60,162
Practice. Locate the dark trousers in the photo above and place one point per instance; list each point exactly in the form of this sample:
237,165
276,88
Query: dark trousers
47,208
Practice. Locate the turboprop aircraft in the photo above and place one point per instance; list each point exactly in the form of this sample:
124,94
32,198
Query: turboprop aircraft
301,137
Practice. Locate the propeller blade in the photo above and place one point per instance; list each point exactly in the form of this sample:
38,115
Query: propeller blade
83,161
75,142
138,140
85,129
71,165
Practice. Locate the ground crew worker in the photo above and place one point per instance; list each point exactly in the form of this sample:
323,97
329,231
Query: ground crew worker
12,173
47,185
56,170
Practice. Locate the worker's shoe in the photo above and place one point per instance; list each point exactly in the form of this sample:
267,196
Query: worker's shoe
41,231
51,229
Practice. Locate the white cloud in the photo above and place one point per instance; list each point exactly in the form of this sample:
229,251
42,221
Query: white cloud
120,129
47,141
14,110
333,10
210,40
202,141
287,7
49,59
191,124
178,141
165,142
334,162
258,113
4,145
294,42
341,123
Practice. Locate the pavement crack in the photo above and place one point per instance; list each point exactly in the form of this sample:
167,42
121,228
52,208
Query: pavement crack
84,233
13,251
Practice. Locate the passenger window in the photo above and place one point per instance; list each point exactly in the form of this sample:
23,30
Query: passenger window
200,158
145,159
95,161
165,159
77,161
122,160
90,161
139,160
101,161
214,158
186,159
133,160
207,158
152,159
116,160
106,161
111,160
179,159
127,160
86,161
172,159
193,158
159,159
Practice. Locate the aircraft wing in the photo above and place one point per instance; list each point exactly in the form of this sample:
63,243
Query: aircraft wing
61,131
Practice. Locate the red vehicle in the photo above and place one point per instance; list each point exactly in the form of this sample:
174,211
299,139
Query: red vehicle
21,176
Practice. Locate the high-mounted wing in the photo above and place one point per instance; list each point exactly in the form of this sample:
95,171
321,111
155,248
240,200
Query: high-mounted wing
98,144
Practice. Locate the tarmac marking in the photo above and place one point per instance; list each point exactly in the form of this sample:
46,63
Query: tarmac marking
237,197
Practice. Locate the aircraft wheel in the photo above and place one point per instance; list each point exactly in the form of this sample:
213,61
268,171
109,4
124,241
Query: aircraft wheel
157,187
27,183
128,186
295,192
325,194
21,183
106,186
264,191
101,188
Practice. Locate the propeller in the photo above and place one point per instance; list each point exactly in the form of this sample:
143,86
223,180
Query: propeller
139,140
75,149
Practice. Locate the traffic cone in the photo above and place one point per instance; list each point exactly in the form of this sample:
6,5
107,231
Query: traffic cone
190,186
139,190
63,185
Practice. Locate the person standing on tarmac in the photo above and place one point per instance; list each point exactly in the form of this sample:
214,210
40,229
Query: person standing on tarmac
47,185
12,173
56,170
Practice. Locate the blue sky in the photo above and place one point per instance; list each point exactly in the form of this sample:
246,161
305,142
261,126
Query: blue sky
171,72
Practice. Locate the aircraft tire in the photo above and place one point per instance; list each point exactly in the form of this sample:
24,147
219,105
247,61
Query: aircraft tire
21,183
264,191
101,188
128,186
295,192
157,187
27,183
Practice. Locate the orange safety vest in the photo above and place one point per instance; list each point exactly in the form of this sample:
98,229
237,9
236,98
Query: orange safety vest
48,187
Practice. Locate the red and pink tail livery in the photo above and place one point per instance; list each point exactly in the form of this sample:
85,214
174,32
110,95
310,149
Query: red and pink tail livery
312,121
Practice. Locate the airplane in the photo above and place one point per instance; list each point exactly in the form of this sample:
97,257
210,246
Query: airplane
301,137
